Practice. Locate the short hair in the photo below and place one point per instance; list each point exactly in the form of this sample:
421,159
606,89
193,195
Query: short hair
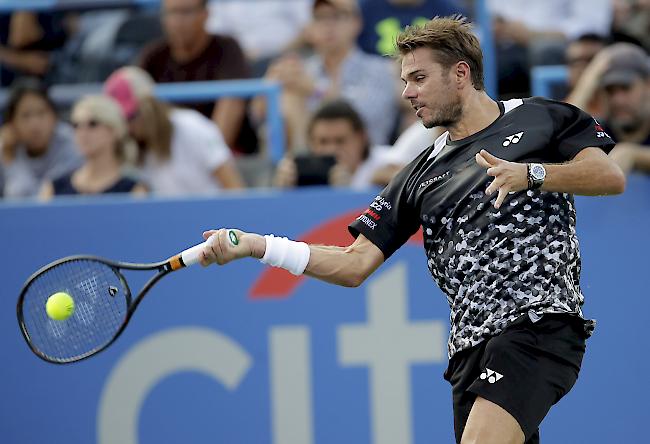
451,39
20,89
339,109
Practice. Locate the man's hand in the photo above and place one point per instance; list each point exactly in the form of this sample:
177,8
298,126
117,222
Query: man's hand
508,176
290,71
8,142
223,247
631,156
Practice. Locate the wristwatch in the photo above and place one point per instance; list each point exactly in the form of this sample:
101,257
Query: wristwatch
536,175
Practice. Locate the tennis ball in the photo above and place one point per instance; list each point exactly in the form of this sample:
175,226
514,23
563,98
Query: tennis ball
59,306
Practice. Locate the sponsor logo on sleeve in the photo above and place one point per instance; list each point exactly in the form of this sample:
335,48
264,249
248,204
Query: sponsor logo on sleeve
600,132
368,221
380,203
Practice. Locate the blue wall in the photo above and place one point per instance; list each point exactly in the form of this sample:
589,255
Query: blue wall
204,361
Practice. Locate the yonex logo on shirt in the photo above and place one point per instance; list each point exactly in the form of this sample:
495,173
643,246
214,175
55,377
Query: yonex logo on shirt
491,375
515,138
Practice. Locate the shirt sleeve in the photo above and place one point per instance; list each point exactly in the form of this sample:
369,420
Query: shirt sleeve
235,65
391,218
575,130
213,151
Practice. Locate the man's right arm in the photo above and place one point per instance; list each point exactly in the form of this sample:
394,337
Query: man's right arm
345,266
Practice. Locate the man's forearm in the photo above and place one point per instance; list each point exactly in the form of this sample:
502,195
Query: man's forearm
588,176
345,266
31,62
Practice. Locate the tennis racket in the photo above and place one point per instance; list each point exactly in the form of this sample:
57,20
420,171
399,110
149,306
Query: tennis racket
103,303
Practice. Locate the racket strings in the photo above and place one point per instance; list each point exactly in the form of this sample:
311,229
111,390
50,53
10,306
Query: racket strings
100,309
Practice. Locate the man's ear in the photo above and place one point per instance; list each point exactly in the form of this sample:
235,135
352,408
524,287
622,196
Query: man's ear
462,72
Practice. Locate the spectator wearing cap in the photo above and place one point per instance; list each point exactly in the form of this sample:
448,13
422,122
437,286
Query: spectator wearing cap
102,138
337,69
180,151
625,85
188,53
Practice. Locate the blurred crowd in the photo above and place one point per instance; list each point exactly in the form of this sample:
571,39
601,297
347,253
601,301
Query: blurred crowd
345,121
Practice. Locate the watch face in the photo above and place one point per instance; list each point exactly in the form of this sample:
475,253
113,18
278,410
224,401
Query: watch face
538,172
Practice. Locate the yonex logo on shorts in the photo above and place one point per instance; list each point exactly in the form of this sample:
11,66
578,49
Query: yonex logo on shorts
515,138
491,375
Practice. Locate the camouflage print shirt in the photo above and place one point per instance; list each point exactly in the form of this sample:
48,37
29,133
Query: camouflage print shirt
493,265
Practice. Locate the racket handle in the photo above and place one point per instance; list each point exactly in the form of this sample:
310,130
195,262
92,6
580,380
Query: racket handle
187,257
192,255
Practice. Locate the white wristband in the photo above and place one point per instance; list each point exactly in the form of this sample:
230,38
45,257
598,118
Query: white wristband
284,253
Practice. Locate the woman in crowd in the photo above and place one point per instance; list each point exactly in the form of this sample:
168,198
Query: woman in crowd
35,145
181,152
101,134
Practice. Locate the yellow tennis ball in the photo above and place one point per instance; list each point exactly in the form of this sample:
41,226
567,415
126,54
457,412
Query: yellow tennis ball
59,306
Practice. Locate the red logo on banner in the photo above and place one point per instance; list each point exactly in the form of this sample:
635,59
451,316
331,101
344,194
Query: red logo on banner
276,283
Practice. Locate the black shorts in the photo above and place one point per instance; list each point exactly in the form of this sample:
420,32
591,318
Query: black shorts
525,370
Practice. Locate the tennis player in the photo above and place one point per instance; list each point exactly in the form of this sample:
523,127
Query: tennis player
494,197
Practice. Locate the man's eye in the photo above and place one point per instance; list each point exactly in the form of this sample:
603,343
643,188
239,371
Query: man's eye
419,78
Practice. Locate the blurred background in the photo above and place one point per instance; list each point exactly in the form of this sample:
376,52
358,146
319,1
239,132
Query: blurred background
127,127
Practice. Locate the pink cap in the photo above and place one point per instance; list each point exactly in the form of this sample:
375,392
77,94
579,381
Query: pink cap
119,88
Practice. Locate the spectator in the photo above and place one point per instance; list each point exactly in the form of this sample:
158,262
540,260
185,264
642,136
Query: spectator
188,53
274,27
337,69
384,19
335,130
631,22
626,90
180,151
415,139
535,33
27,42
579,53
35,145
102,138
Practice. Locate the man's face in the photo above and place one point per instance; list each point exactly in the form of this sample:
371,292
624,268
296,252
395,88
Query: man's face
578,56
335,28
430,89
183,21
337,137
627,105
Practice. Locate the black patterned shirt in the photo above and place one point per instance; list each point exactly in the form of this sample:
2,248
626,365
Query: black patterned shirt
494,265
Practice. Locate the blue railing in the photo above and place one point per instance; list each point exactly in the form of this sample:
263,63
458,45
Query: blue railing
65,95
543,78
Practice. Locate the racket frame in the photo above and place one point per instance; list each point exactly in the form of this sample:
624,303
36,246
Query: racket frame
163,267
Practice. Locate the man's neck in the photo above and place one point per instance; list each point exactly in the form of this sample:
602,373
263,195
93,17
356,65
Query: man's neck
479,112
185,54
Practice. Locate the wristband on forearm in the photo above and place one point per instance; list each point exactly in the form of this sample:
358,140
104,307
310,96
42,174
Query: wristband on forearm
284,253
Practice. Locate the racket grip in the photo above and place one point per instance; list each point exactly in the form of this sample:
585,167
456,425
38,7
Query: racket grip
187,257
192,255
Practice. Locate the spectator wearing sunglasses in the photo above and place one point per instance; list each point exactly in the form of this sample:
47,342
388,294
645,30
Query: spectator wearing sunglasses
35,145
101,134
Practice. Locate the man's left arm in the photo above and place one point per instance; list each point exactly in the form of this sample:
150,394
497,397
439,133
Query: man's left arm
591,173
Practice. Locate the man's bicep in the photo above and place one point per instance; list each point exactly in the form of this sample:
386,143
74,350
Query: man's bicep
590,153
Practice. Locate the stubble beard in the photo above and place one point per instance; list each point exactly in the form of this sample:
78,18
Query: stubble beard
447,115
